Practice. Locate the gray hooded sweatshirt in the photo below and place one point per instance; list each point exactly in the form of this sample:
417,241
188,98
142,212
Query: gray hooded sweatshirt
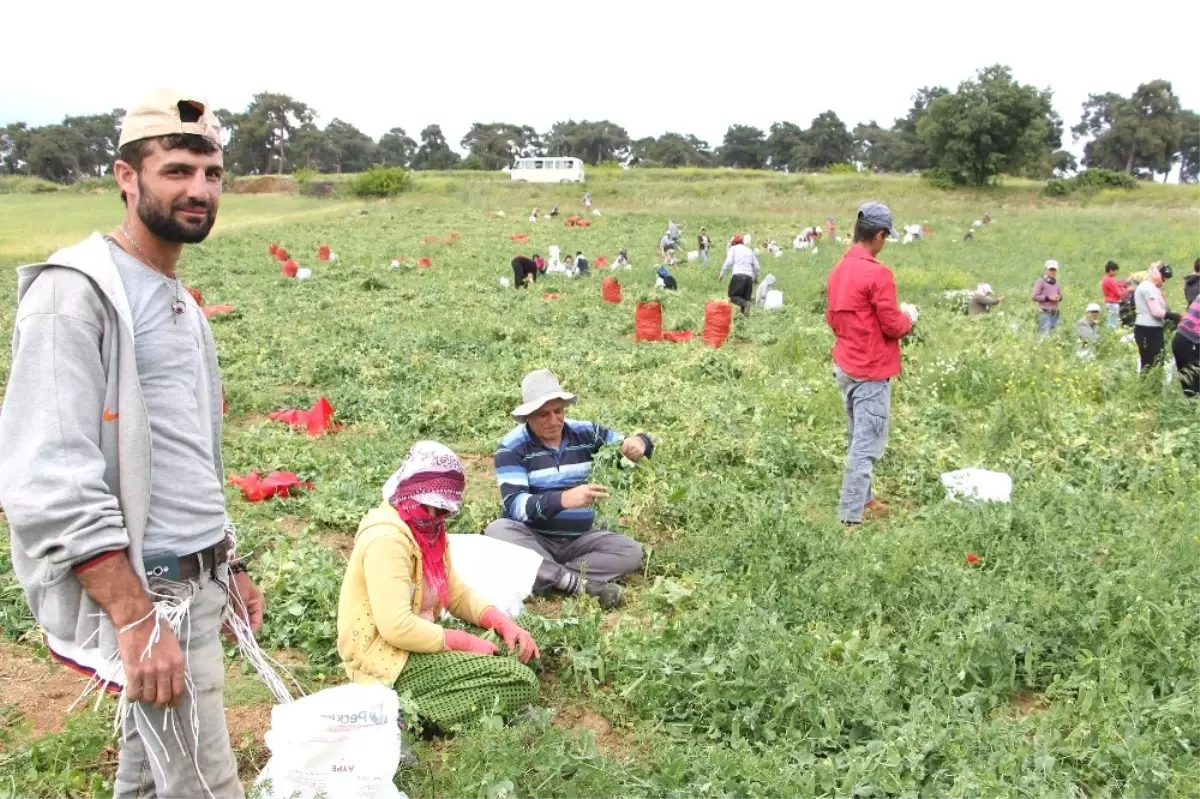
75,438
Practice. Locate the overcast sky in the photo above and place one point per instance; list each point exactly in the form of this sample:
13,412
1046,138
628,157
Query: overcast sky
650,66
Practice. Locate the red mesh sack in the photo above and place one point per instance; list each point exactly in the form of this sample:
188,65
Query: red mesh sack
718,316
647,322
610,290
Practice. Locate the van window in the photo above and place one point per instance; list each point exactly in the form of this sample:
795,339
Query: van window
537,164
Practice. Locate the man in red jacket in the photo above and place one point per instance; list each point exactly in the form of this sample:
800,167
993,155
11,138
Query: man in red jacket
867,325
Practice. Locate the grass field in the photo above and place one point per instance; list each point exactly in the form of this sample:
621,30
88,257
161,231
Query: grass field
764,652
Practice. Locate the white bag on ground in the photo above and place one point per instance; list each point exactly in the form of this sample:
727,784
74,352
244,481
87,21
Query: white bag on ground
340,742
500,572
774,300
693,255
979,484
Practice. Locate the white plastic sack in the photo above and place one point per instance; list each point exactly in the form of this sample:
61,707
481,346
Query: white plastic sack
774,300
500,572
979,484
504,283
303,274
343,742
659,283
693,255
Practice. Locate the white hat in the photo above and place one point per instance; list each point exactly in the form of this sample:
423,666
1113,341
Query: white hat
537,389
1093,307
1052,264
983,289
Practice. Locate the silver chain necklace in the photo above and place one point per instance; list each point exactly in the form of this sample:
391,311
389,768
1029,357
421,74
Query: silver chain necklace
177,305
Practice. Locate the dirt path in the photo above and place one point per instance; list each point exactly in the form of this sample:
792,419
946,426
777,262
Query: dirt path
38,691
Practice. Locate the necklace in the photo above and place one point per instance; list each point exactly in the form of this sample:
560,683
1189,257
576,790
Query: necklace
177,306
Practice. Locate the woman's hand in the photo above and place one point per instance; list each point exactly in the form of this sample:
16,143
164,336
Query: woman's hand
459,641
515,637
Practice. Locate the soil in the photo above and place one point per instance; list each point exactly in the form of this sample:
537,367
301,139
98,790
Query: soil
265,184
39,690
608,739
292,525
1028,703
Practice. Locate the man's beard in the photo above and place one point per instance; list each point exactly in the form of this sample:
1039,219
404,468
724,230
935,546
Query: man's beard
165,226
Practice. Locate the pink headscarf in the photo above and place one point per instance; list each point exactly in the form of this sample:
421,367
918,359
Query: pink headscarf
430,476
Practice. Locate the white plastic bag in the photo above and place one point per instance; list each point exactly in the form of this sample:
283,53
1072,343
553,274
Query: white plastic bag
774,300
303,274
693,255
500,572
340,742
979,484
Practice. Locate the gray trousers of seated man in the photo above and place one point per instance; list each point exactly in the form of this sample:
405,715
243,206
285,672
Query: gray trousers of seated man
602,554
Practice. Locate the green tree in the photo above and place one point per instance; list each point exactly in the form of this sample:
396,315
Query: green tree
989,126
353,150
498,144
744,147
1062,163
826,142
592,142
395,148
434,153
672,150
784,142
14,148
1139,133
54,153
311,148
100,133
269,122
1189,147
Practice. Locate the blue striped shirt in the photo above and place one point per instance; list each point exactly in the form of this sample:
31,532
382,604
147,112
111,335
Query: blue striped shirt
533,476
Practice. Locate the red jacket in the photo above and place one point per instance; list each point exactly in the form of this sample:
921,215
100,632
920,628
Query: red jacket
866,320
1113,289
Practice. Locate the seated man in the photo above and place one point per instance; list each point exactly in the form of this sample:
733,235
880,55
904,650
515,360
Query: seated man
543,466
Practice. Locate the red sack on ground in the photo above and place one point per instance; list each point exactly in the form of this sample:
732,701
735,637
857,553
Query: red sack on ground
281,254
549,295
277,484
647,322
610,290
677,336
323,252
217,310
424,263
195,295
454,237
520,238
289,268
430,240
316,421
601,262
272,248
718,316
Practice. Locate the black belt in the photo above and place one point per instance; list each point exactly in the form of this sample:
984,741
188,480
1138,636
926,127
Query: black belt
191,566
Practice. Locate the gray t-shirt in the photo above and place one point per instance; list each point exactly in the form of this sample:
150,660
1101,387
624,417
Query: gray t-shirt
176,363
1146,291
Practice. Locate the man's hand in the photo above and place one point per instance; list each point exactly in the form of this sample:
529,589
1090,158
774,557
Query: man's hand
633,448
584,495
251,605
158,677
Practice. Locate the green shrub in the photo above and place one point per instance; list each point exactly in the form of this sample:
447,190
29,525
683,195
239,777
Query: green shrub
841,169
1104,179
23,184
1058,188
939,178
381,181
304,176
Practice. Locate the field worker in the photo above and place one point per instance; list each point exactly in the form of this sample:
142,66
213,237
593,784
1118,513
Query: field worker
830,228
1152,313
665,279
666,245
543,466
1047,294
1114,292
867,326
674,230
110,459
622,259
581,263
1186,349
553,211
744,265
540,263
587,199
983,300
1191,284
1088,326
525,271
764,288
704,244
398,581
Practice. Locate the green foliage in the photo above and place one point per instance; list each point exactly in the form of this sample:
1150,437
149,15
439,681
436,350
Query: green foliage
1145,132
381,181
304,176
991,125
744,147
841,169
1091,181
75,762
939,178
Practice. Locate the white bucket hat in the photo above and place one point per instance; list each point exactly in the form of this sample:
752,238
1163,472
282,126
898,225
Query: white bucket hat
983,289
537,389
1052,264
1093,307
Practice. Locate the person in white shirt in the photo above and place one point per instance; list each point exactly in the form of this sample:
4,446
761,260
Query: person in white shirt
744,265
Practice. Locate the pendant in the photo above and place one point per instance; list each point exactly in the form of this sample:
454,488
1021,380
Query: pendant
177,307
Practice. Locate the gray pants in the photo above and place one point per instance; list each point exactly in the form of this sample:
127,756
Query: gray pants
868,407
188,757
603,554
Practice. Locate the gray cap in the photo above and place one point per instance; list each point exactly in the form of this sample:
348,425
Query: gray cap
878,216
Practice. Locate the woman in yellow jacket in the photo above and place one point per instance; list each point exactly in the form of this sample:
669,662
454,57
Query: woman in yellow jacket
397,583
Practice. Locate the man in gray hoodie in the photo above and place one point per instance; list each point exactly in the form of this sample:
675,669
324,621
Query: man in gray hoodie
110,461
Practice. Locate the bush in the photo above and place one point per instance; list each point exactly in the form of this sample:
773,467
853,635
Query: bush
1090,181
841,169
381,181
304,176
939,178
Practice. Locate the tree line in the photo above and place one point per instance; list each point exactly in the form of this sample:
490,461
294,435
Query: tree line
989,125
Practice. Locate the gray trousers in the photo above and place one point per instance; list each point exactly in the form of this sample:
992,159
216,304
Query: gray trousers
603,554
184,752
868,408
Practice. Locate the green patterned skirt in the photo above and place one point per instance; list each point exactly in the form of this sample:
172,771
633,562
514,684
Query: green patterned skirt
452,687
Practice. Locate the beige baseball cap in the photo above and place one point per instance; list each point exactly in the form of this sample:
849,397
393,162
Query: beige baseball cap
166,112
